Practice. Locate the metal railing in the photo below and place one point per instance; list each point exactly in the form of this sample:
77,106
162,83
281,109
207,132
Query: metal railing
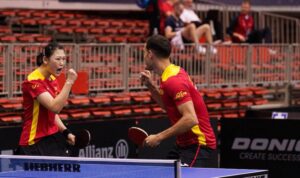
117,66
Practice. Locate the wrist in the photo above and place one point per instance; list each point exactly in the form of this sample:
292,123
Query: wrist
69,82
66,132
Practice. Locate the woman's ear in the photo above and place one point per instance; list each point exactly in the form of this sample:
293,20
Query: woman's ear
45,60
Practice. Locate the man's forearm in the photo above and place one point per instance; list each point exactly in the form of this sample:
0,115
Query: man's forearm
184,124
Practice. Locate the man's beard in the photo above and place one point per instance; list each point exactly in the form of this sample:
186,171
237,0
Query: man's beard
149,67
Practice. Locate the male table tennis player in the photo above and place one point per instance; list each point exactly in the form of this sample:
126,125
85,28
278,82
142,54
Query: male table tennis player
195,139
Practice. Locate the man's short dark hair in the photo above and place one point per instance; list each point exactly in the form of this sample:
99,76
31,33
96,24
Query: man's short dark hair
246,2
159,45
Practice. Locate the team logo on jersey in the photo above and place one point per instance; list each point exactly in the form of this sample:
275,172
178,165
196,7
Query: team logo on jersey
161,91
34,86
180,95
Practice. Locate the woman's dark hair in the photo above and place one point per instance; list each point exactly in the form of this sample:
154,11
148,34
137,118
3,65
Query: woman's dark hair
159,45
47,52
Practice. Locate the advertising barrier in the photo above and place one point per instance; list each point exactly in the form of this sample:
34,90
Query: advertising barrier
271,144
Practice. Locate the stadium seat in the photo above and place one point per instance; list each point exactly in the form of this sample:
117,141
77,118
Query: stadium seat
141,109
14,118
89,22
104,39
8,39
121,111
40,14
100,99
213,106
63,116
80,115
96,30
82,100
101,114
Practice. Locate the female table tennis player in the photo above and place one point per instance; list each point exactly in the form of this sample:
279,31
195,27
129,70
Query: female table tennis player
43,100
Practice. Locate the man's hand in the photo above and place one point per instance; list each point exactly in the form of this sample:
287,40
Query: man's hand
146,78
240,37
71,139
152,141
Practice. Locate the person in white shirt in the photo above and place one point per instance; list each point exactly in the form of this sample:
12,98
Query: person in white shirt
189,16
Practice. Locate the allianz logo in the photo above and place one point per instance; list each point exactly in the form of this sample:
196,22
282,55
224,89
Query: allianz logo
266,144
120,150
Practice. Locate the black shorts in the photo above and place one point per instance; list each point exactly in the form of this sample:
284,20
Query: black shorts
194,156
52,145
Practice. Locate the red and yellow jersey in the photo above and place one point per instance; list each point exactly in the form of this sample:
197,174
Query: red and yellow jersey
176,88
38,121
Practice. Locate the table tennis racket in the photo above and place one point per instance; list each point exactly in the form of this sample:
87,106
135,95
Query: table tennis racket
137,135
82,138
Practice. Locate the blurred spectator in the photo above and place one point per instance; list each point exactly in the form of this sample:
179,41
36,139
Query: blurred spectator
189,16
242,29
179,34
166,10
154,16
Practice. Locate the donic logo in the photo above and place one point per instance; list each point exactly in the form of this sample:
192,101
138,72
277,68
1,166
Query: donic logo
266,144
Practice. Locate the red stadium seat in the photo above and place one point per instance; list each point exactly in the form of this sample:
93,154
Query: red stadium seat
124,31
40,14
104,113
81,30
63,116
104,39
121,98
121,111
110,31
8,39
102,23
96,30
157,109
44,21
129,24
141,109
79,101
67,15
119,39
75,22
230,104
245,103
135,39
14,118
89,22
43,39
60,22
81,115
53,14
116,23
230,114
9,13
5,29
28,21
214,106
101,100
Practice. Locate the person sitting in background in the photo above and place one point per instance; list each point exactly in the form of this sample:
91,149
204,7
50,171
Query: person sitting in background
189,16
242,29
166,9
179,33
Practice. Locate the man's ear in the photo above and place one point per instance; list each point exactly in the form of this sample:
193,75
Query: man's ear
150,54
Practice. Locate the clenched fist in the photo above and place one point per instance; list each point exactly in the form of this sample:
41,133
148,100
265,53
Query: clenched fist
71,76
